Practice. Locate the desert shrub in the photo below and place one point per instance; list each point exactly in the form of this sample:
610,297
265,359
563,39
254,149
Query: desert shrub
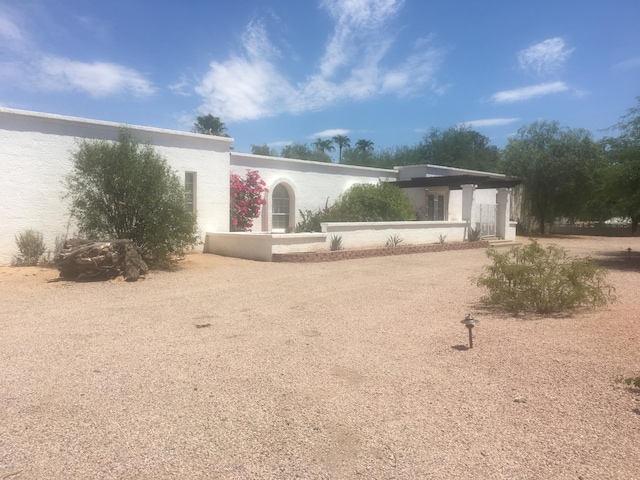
543,280
372,203
247,197
394,241
335,243
31,246
311,220
442,239
473,235
633,382
124,190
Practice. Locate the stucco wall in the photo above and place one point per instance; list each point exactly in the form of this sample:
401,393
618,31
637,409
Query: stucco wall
35,156
311,183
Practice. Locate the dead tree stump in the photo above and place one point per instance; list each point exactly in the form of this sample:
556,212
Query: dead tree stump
87,261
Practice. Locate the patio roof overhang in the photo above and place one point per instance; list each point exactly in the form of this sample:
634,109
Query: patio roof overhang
455,182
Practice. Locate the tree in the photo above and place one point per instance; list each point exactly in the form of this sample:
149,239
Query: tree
364,146
459,147
557,167
210,125
343,142
263,149
301,151
124,190
621,177
324,146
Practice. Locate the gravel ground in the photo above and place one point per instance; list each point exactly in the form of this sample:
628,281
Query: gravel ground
232,369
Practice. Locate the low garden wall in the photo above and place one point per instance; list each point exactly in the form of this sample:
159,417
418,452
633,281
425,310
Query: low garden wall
376,234
266,247
375,252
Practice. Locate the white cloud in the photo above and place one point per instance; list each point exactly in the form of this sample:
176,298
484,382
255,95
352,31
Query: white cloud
330,133
251,84
628,64
99,79
488,122
545,57
527,93
280,143
248,86
9,31
181,87
25,65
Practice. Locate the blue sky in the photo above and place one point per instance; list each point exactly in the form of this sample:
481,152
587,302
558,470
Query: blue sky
282,71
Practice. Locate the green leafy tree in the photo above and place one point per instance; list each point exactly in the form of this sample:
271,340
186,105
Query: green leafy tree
209,125
557,167
301,151
263,149
362,154
343,142
620,192
398,156
372,203
124,190
459,147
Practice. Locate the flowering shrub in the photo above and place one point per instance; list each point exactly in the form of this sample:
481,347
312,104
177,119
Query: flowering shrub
246,199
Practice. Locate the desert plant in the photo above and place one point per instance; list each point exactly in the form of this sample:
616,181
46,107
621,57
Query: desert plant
442,238
31,246
631,381
473,235
394,241
124,190
335,243
543,280
312,220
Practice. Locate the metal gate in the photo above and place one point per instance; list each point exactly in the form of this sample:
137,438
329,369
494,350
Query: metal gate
485,216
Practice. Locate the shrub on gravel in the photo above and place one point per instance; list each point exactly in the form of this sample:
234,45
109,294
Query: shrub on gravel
543,280
31,245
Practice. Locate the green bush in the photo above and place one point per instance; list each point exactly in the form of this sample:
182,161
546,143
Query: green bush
124,190
31,246
382,202
543,280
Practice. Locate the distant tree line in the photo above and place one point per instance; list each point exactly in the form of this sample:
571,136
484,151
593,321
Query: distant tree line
565,173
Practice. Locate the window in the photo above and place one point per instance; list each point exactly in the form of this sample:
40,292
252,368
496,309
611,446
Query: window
280,208
435,207
190,191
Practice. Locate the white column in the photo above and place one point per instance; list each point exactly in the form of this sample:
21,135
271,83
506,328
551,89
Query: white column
502,212
467,204
467,201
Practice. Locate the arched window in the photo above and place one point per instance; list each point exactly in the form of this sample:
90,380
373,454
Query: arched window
280,208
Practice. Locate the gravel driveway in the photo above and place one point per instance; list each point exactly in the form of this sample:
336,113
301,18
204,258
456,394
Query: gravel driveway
233,369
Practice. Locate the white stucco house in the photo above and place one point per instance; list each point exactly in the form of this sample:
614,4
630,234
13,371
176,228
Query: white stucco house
35,156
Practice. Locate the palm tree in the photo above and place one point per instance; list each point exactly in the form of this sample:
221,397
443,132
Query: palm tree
343,142
364,146
210,125
324,145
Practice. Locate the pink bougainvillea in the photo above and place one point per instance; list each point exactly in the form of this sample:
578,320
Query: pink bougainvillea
247,196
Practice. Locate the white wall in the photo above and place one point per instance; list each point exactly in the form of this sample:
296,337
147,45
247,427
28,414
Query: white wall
36,156
312,183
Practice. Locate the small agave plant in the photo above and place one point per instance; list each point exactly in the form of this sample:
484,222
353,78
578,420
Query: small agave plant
335,243
394,241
